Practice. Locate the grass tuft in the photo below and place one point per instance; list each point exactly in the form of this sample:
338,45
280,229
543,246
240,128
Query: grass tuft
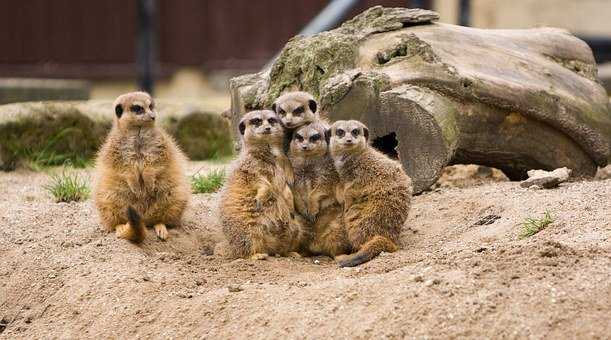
531,226
67,187
38,160
211,182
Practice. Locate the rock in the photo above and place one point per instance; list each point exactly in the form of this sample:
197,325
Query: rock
234,288
435,94
431,282
546,179
76,130
602,173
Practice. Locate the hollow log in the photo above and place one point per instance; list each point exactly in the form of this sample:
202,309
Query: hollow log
512,99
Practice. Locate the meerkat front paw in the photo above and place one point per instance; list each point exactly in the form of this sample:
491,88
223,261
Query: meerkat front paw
294,255
259,256
161,231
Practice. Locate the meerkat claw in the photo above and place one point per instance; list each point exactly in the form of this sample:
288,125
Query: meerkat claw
161,231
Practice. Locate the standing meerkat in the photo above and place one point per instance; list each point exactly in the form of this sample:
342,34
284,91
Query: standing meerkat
140,179
315,190
376,193
256,206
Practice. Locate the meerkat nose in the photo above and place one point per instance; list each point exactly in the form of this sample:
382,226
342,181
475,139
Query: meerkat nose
304,147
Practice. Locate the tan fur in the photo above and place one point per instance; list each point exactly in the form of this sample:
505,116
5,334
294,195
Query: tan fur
256,206
315,189
376,193
140,166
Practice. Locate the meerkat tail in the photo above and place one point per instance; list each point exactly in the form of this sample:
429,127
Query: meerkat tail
369,250
136,231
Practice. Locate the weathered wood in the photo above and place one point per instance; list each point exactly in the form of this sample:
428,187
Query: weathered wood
511,99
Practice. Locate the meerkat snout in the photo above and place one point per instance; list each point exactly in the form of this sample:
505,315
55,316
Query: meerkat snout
295,109
260,126
135,110
348,136
309,140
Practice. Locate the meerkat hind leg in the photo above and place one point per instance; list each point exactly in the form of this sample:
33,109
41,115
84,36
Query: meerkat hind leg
130,233
161,231
259,256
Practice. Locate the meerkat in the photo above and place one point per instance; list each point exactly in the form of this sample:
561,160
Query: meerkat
256,207
376,193
295,109
140,179
315,191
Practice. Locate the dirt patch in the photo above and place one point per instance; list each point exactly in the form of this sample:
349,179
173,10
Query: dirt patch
62,277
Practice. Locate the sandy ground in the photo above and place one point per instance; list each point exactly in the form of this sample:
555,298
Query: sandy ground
456,277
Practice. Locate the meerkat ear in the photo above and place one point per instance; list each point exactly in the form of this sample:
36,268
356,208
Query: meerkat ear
328,135
274,107
118,110
242,128
312,105
366,133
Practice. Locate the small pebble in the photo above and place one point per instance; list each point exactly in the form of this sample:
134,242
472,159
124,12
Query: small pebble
431,282
234,288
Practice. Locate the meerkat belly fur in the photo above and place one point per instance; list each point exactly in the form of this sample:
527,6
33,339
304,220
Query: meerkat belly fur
376,193
139,178
315,191
256,206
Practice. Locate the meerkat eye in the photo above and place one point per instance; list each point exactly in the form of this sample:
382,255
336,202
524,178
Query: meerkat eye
298,111
256,121
272,121
340,133
299,138
315,138
281,112
152,106
137,109
355,132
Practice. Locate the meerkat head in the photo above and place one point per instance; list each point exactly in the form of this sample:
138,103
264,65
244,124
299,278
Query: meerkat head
309,141
135,110
261,127
347,136
295,109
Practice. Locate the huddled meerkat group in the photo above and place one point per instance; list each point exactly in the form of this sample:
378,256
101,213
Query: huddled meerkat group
300,186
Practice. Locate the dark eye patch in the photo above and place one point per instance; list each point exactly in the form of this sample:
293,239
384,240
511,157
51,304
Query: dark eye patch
272,121
340,133
299,137
299,110
315,138
137,109
256,121
152,106
355,132
281,112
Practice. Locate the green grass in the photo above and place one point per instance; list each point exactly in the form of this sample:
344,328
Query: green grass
40,159
218,158
211,182
67,187
531,226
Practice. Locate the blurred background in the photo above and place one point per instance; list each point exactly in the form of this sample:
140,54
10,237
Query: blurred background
91,49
